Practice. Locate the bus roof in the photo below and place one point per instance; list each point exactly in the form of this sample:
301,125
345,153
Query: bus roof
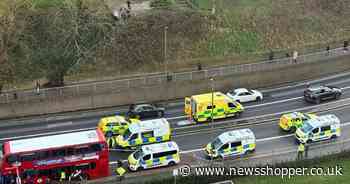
55,141
160,147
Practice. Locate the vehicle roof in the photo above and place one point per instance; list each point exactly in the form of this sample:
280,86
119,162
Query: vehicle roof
208,96
236,135
55,141
142,105
114,119
159,147
324,120
294,115
161,125
317,88
241,90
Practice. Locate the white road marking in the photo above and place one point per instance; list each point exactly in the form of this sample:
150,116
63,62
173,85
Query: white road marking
59,125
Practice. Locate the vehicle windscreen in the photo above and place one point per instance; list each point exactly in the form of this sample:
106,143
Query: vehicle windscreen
216,143
306,128
1,151
138,154
233,92
127,134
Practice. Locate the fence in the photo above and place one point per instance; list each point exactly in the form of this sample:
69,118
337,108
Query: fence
158,79
162,87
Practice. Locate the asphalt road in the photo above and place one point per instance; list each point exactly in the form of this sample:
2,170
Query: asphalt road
269,137
275,100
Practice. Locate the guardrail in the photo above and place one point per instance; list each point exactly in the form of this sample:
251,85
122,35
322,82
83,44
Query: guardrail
114,86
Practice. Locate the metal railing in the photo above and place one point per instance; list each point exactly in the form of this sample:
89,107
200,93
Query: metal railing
113,86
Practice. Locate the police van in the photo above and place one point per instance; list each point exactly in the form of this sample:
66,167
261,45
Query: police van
236,142
154,155
144,132
317,129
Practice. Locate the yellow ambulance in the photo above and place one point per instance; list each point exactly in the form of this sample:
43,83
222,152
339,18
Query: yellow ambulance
200,108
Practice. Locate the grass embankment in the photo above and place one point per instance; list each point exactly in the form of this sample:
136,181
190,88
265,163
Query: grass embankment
241,31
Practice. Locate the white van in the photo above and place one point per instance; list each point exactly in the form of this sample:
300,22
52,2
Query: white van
145,132
154,155
319,128
236,142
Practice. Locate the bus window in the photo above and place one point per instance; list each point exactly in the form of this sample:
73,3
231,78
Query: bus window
42,155
59,153
2,151
96,147
70,151
27,157
12,159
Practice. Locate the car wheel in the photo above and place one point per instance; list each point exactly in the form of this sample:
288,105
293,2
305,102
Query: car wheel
309,141
258,98
293,129
140,168
160,114
318,101
337,96
238,101
171,163
333,136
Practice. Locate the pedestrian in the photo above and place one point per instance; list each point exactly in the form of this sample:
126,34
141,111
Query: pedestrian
199,66
287,55
301,149
37,87
1,86
328,50
128,4
62,176
295,56
120,171
271,55
306,150
346,44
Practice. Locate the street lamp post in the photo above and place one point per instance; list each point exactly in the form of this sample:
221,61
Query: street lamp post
212,100
165,50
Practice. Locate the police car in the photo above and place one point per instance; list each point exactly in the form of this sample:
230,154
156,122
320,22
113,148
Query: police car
115,125
154,155
236,142
291,121
317,129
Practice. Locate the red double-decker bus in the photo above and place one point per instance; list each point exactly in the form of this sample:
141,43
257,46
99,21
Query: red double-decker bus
44,158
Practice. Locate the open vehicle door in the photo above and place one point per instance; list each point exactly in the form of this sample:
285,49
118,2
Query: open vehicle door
188,106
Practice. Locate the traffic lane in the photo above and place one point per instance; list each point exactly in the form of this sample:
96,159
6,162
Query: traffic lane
91,122
177,109
269,136
261,131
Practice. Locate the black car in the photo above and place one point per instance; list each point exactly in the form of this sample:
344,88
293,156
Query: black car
321,93
145,111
